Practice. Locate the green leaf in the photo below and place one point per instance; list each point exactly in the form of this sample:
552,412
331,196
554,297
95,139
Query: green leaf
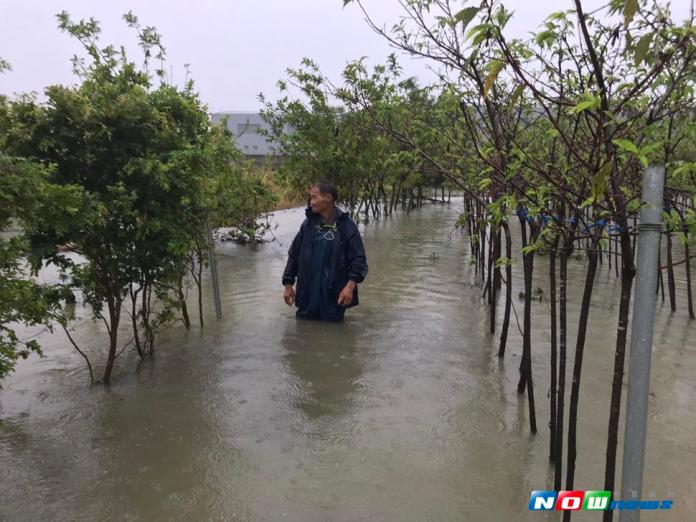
600,181
502,16
477,30
465,16
516,94
582,106
543,37
626,145
589,201
558,16
629,10
589,102
529,249
683,170
504,261
629,146
642,48
495,69
480,37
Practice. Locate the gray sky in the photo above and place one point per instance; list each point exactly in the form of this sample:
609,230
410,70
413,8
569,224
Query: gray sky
236,48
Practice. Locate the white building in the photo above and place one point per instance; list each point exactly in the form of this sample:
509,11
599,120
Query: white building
245,127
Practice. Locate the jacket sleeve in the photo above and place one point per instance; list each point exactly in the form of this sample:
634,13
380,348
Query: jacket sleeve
292,265
357,261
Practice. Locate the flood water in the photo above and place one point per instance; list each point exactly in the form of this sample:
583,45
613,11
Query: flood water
402,412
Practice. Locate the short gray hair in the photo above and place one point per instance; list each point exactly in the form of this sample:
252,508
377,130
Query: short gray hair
326,187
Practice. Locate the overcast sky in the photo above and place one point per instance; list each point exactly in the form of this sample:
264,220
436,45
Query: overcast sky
236,48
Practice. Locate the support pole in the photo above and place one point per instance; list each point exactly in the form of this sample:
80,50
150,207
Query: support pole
649,231
214,275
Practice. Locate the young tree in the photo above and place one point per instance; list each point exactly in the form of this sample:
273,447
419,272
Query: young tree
155,175
28,200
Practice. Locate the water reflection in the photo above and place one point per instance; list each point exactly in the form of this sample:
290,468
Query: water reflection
323,360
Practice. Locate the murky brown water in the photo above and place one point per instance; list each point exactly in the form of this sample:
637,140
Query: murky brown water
403,412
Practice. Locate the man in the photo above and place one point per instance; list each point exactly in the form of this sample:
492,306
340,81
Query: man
328,258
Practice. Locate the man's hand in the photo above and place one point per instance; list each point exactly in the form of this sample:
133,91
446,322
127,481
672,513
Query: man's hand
346,295
289,295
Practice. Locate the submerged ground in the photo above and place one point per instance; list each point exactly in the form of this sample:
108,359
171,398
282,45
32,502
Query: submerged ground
403,412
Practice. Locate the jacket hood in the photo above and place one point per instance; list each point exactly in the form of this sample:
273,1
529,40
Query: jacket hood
340,214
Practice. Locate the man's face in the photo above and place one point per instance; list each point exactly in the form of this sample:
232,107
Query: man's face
318,201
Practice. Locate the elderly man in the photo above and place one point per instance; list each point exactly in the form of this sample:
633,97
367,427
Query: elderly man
327,257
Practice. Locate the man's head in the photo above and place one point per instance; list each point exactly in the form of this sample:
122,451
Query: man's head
322,196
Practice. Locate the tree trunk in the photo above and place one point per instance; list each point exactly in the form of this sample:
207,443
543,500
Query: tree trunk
200,286
660,279
508,290
482,246
145,315
562,356
526,360
554,349
489,271
184,308
496,275
114,306
628,272
687,264
134,320
670,274
392,198
577,366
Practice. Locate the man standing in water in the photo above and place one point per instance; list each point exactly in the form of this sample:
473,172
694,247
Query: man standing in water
328,258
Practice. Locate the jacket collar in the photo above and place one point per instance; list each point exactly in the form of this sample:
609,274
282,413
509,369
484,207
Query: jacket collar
340,214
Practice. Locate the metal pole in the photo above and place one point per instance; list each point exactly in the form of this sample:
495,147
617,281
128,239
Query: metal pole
647,265
214,275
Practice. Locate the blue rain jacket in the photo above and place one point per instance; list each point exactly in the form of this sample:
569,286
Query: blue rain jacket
323,261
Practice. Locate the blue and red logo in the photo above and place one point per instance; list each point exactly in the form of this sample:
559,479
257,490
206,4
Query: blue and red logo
589,501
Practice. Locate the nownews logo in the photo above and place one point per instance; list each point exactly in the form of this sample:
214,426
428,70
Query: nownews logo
589,500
